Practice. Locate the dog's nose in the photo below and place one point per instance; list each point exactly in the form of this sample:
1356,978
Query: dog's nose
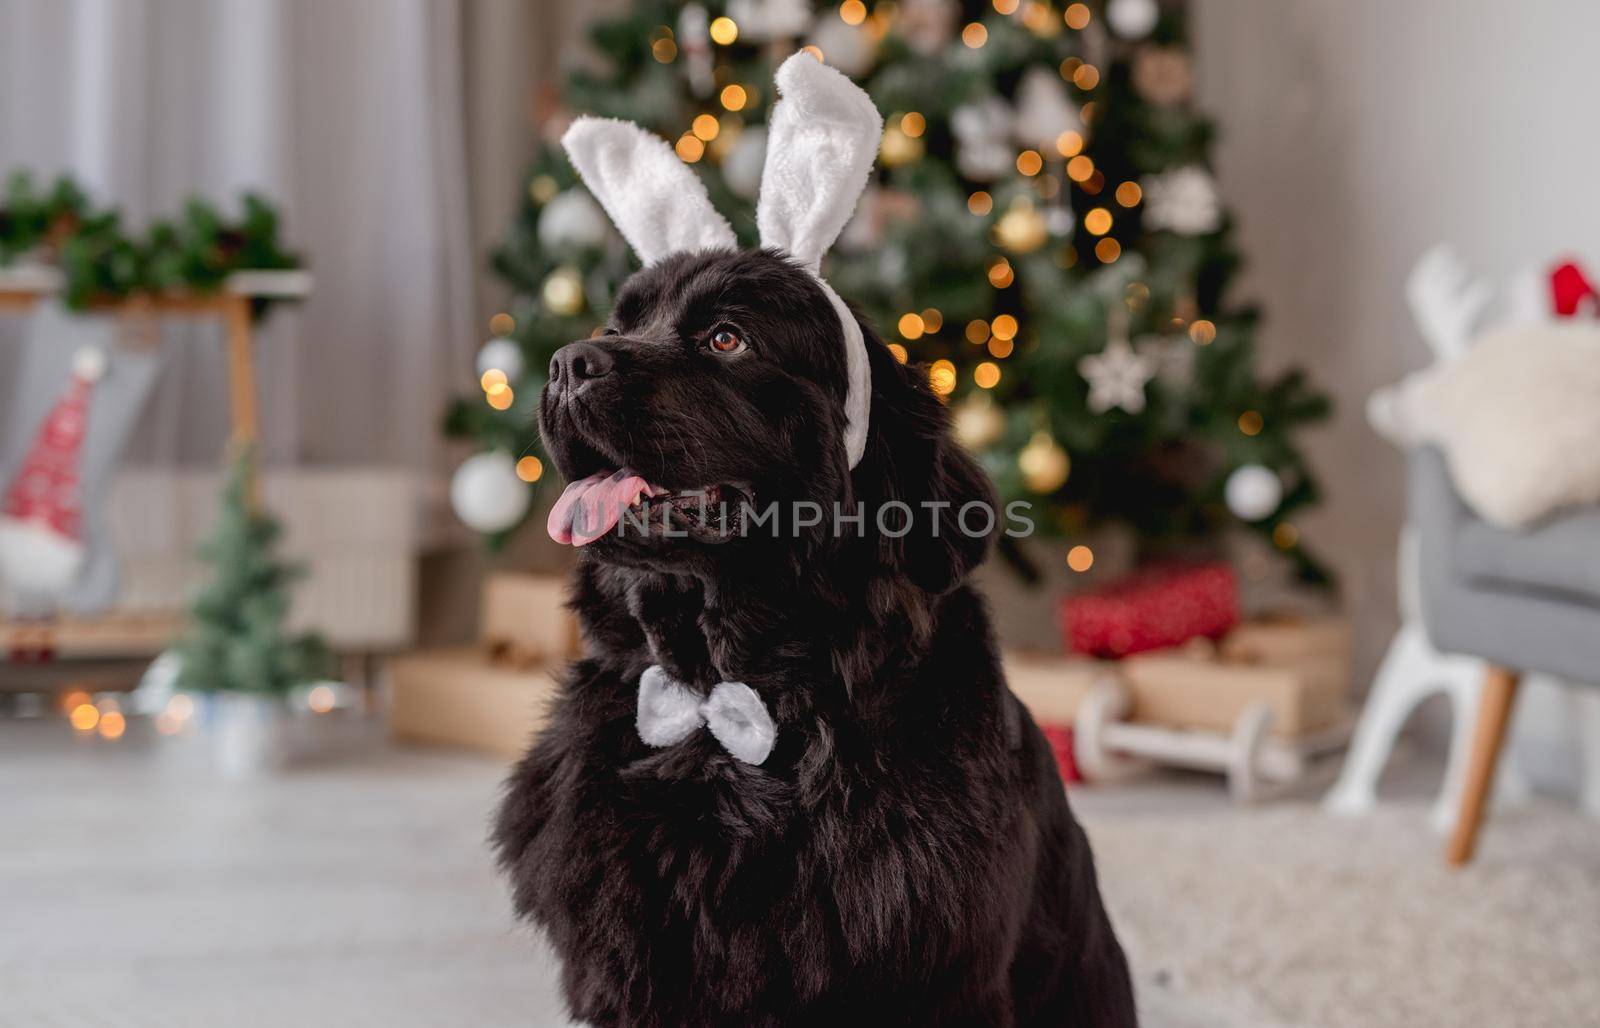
576,364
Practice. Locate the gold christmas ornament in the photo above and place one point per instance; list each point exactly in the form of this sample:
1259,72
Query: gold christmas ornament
563,291
1021,229
898,148
543,189
977,422
1044,464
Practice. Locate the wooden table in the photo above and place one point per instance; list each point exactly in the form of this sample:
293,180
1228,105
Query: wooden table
21,288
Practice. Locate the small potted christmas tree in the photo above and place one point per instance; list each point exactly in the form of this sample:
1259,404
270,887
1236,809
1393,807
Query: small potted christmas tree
237,651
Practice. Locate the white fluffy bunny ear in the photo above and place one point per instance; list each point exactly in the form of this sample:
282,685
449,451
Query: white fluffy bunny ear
655,200
823,136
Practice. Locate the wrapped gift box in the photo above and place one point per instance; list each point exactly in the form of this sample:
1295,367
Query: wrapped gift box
462,697
1051,687
1158,606
1301,668
1271,640
524,619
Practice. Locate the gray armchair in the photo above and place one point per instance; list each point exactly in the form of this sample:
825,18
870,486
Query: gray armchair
1524,601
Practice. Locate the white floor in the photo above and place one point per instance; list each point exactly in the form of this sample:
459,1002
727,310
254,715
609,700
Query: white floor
135,890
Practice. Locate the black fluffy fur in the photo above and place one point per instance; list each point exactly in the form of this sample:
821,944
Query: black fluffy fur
906,855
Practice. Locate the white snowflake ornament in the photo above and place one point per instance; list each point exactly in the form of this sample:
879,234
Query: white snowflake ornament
1183,200
1117,377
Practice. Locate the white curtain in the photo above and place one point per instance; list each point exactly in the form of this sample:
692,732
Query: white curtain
350,116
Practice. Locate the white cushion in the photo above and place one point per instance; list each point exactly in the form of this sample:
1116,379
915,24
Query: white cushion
1518,419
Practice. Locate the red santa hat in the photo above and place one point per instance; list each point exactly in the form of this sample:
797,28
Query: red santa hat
41,516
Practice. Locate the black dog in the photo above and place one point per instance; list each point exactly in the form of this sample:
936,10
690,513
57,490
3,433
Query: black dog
905,855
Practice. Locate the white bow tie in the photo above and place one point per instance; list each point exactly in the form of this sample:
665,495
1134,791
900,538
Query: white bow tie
670,712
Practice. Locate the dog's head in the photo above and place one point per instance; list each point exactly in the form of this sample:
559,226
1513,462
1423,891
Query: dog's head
733,397
709,422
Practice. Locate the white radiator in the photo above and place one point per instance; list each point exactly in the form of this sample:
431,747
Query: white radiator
353,530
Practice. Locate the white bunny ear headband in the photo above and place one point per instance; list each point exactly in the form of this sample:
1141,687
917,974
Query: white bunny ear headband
820,146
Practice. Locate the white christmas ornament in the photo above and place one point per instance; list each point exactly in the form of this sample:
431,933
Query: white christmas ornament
983,139
1043,110
1117,377
486,493
1133,19
1183,200
572,221
1253,492
503,355
850,48
742,167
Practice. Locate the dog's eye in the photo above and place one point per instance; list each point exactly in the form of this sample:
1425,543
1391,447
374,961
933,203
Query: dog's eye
726,341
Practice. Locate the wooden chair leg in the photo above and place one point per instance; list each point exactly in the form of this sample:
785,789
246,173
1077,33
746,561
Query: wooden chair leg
1494,712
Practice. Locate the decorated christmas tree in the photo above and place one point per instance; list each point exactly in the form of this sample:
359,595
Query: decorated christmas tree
236,640
1044,235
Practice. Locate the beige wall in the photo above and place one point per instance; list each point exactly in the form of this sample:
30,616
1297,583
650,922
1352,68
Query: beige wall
1355,134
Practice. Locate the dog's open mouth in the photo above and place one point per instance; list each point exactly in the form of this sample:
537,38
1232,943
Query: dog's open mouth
627,503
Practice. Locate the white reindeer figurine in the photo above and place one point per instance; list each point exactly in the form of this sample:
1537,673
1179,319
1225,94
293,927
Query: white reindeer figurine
1448,306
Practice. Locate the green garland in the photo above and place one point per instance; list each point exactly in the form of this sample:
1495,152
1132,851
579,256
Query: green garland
102,262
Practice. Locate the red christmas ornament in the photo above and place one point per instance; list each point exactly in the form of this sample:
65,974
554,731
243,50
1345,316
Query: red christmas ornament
1153,608
1569,288
1060,739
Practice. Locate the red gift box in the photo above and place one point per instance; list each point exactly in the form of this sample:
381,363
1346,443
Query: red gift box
1153,608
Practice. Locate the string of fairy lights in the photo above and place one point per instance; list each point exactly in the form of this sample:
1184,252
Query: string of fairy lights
103,716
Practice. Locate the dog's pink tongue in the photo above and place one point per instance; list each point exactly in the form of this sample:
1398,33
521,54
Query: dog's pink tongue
589,509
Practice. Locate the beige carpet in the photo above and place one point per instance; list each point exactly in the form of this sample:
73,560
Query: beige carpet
1280,916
